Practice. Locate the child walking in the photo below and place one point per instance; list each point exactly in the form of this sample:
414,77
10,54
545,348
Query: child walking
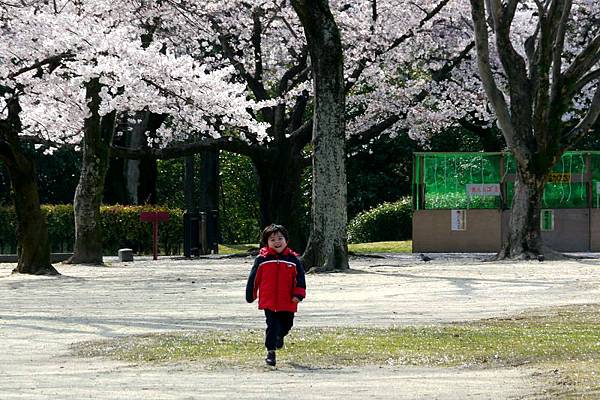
277,279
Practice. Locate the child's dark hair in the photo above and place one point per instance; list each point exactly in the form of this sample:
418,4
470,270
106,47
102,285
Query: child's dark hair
271,229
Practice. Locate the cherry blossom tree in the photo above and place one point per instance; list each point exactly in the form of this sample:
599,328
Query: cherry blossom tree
392,49
542,78
59,82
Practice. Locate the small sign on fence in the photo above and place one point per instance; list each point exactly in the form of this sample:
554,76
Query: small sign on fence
483,189
458,220
559,177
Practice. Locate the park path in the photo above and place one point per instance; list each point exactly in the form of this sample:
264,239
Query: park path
42,317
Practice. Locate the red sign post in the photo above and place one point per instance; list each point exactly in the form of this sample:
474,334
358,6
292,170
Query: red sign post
155,217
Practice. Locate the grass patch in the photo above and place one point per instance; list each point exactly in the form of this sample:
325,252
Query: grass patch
563,342
237,248
374,247
490,342
404,246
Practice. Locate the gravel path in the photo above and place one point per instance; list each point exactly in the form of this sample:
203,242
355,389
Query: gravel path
42,317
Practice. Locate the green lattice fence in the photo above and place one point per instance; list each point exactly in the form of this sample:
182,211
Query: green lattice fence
486,180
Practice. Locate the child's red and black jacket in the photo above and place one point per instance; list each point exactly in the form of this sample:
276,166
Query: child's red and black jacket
275,279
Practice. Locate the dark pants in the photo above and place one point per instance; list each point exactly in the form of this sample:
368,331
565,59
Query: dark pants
278,325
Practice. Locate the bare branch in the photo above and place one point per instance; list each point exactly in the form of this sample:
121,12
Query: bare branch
297,114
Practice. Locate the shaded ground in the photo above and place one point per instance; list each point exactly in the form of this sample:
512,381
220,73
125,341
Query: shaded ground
41,318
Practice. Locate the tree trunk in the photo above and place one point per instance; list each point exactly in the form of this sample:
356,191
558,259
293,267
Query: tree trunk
32,230
115,186
280,193
209,180
524,239
98,134
327,248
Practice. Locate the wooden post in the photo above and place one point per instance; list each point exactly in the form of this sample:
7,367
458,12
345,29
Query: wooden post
154,217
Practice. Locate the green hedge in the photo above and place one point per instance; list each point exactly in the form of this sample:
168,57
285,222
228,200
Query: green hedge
386,222
121,227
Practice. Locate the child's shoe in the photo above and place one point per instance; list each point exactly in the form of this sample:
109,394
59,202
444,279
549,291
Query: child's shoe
279,343
270,360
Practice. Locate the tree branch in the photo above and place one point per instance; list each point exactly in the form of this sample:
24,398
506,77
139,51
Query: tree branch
303,133
363,62
297,113
375,130
45,142
586,122
227,143
586,79
437,76
257,43
495,96
255,85
52,60
558,44
583,63
514,65
294,71
443,73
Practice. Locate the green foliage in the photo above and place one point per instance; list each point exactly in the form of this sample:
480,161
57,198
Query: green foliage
5,198
455,200
238,199
446,176
57,176
239,203
169,183
386,222
379,172
61,227
8,227
121,227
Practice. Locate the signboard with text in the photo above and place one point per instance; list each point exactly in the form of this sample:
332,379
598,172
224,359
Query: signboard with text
559,177
458,220
483,189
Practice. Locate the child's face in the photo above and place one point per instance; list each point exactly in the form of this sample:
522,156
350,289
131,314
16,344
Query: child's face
277,242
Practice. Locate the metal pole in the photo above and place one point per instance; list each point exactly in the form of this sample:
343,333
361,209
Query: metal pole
155,238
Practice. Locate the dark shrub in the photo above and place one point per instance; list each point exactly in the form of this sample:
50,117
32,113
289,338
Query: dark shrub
386,222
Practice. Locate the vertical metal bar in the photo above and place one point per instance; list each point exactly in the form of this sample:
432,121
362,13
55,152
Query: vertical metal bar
422,183
590,198
155,237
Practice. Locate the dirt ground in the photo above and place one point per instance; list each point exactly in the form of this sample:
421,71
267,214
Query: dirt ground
41,318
